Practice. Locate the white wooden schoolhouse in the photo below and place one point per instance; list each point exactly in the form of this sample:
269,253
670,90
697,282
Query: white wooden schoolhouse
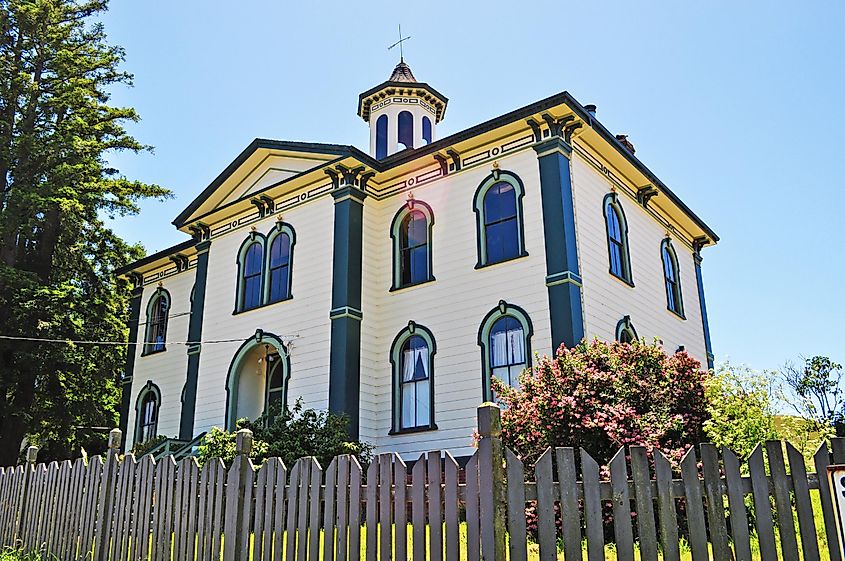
393,284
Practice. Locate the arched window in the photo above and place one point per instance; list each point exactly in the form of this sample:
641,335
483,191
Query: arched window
505,340
279,264
250,273
498,208
411,234
406,129
672,278
381,137
146,413
412,357
257,379
625,332
158,310
426,129
617,239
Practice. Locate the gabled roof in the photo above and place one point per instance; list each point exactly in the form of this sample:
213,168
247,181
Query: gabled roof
334,150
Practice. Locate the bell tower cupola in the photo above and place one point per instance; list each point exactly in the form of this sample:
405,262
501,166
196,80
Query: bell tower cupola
402,112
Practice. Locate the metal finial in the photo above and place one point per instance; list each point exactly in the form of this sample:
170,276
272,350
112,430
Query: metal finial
399,42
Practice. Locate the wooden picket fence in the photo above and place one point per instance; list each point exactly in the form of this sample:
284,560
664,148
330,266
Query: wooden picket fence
123,509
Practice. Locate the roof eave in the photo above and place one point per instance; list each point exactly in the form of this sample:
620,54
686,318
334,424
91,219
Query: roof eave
609,137
172,250
407,85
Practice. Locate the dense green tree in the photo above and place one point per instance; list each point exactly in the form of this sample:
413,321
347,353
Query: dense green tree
741,405
56,254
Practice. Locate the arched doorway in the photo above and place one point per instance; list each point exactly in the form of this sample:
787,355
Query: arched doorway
258,376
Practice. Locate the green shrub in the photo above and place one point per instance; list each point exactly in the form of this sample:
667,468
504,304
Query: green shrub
142,448
289,435
740,405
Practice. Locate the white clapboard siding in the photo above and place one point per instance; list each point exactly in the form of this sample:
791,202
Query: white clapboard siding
452,307
304,319
165,369
606,298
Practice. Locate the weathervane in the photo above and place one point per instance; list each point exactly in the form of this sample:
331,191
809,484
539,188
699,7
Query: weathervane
399,42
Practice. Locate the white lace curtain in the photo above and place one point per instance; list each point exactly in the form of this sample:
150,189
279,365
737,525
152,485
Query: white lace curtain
415,364
508,347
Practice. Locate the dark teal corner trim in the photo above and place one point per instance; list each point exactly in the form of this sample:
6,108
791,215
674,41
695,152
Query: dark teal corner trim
705,324
129,370
563,277
189,395
345,313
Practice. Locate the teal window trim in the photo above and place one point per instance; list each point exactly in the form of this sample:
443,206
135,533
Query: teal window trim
279,229
478,206
504,309
612,204
411,206
625,329
413,329
148,389
674,294
253,237
260,339
150,346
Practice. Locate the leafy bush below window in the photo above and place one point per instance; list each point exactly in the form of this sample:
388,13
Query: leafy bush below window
289,435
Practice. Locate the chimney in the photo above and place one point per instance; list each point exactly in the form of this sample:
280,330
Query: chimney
591,109
623,139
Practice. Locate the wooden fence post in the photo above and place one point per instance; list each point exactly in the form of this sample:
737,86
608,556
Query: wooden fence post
492,486
236,540
29,469
107,492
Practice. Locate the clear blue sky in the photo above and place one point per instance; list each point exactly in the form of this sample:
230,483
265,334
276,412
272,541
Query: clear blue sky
737,106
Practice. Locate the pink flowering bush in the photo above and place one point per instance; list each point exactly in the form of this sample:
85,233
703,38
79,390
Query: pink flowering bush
600,396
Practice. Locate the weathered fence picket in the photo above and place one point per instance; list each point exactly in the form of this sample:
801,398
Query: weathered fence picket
126,509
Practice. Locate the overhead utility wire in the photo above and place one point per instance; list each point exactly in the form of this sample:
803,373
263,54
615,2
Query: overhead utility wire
119,343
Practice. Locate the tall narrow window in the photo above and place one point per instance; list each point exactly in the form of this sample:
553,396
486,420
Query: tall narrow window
617,239
672,278
146,413
411,233
406,129
426,129
381,137
415,383
275,387
499,214
280,251
252,268
158,311
413,364
504,338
